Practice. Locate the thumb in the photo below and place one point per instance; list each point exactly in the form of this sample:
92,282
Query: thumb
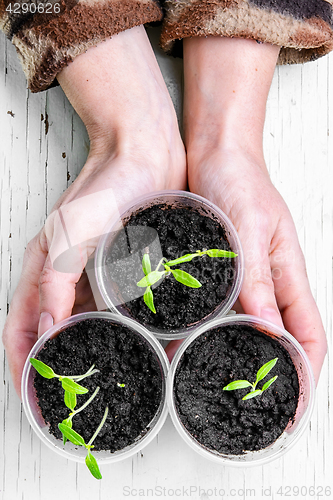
45,323
56,295
257,296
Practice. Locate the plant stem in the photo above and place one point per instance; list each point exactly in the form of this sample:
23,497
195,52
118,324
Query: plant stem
91,371
99,427
86,375
160,263
85,404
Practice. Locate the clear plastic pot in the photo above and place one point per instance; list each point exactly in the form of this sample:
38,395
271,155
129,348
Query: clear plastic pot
293,430
69,450
108,287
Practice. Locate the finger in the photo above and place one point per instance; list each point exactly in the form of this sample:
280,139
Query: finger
71,239
72,230
84,298
257,296
45,322
237,307
57,291
295,300
20,331
172,348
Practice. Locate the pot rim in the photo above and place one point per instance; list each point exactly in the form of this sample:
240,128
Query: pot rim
250,458
162,196
102,456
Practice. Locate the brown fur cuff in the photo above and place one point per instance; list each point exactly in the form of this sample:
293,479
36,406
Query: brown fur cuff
303,29
48,42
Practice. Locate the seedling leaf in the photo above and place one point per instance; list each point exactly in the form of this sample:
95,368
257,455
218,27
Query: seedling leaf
44,370
68,422
146,265
265,369
151,278
71,386
237,384
70,400
92,465
71,435
185,258
149,299
215,252
185,278
269,383
252,394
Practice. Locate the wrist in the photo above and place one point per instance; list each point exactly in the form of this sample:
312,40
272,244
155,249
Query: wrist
226,87
233,164
119,93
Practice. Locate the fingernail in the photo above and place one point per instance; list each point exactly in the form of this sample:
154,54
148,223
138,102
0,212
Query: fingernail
45,322
270,314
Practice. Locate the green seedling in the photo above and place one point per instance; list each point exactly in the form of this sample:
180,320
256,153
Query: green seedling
261,374
68,382
152,277
78,440
68,421
72,388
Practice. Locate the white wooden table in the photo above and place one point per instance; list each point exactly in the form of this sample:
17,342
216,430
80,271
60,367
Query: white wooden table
43,145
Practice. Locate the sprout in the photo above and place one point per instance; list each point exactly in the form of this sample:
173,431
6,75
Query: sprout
68,383
75,438
261,374
72,388
152,277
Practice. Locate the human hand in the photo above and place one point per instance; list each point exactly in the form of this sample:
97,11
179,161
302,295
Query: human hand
226,87
135,148
276,287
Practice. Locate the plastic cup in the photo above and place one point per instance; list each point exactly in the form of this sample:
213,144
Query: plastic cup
294,429
108,286
78,453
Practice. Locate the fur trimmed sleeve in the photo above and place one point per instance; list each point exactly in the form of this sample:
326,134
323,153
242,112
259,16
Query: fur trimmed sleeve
48,34
302,28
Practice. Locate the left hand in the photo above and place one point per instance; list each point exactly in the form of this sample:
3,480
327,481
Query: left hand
276,287
227,81
135,148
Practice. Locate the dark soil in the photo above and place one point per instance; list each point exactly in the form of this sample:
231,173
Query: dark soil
123,357
219,419
180,231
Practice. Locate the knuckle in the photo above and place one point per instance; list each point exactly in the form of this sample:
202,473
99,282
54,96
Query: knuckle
47,277
30,249
259,278
264,281
33,248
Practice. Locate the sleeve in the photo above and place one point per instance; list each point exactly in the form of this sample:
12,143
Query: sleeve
48,34
302,28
